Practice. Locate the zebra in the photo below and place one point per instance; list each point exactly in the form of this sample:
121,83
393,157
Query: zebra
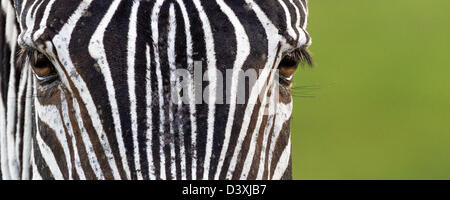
87,88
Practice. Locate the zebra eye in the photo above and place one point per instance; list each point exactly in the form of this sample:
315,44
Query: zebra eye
42,67
291,61
288,66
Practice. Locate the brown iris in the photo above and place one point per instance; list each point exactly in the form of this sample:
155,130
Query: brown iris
41,65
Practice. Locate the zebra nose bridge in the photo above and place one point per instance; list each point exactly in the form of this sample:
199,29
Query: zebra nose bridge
24,40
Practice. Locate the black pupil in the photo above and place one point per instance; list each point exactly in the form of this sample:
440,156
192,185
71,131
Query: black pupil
288,62
42,62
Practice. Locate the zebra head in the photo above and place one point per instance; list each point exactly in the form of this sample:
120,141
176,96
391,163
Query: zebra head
161,89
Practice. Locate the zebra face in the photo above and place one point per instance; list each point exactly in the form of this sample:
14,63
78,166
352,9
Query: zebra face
163,89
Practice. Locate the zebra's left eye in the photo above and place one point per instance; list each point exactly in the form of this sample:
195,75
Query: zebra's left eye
43,68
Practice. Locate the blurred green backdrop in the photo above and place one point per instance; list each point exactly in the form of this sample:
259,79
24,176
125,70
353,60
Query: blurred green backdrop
381,92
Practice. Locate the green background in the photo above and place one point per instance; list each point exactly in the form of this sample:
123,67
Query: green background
380,105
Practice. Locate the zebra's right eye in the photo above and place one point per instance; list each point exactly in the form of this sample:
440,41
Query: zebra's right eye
288,66
290,62
43,68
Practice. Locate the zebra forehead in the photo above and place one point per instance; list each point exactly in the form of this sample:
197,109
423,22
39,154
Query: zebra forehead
288,18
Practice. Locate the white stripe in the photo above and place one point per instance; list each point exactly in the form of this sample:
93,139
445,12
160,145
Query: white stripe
36,175
30,21
43,24
10,165
11,37
20,109
149,92
49,158
212,78
181,140
242,52
47,154
27,131
172,59
301,28
131,59
155,37
3,142
284,113
3,151
67,122
93,160
97,52
11,119
305,9
24,3
297,23
11,26
283,163
191,92
267,130
49,114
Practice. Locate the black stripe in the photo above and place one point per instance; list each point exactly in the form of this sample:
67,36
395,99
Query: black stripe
142,39
41,165
280,145
49,138
84,159
69,140
117,60
266,161
4,58
224,35
181,116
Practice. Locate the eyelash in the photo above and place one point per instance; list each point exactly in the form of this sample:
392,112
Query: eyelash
302,55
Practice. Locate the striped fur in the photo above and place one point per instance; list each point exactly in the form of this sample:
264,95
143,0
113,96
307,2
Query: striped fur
110,113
